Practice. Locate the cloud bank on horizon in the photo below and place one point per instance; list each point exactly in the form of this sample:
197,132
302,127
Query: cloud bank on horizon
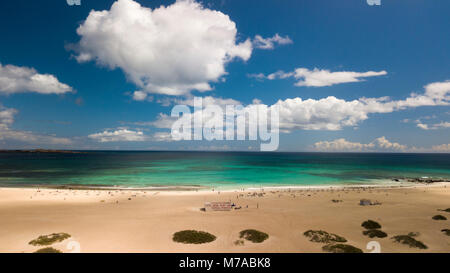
7,133
380,144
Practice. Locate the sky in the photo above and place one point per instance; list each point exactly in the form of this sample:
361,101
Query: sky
346,75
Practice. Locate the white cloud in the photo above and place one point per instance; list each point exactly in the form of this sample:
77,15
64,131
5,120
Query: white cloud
256,101
320,77
324,77
331,113
127,135
162,136
435,126
383,143
7,115
442,125
163,121
139,95
258,76
328,113
422,126
6,132
168,50
342,145
16,79
380,144
280,75
119,135
269,43
443,148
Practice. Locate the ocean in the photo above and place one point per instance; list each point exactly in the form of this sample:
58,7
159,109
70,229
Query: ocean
219,170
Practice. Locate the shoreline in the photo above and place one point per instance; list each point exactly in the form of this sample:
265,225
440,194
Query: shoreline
405,183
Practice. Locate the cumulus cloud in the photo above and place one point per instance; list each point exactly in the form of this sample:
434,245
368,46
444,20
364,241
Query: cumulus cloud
383,143
16,79
328,113
343,145
118,135
6,132
435,126
380,144
443,148
331,113
139,95
168,50
422,126
320,77
269,43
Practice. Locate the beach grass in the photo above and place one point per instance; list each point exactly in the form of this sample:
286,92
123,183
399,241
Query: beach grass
410,241
320,236
254,235
439,217
48,250
45,240
372,233
370,224
193,237
341,248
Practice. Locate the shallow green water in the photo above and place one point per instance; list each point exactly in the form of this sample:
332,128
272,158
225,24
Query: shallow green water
215,169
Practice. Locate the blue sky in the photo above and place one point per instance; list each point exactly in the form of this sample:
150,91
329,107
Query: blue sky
91,105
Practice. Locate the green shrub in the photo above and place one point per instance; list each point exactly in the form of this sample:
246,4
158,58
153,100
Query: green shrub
446,231
439,217
48,250
193,237
408,240
341,248
369,224
320,236
45,240
375,233
253,235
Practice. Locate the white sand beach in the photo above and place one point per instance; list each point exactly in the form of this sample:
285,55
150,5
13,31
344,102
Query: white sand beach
145,221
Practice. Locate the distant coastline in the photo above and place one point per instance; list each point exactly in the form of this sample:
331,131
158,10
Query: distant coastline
42,151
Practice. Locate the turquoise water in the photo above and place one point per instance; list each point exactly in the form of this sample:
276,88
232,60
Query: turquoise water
226,170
